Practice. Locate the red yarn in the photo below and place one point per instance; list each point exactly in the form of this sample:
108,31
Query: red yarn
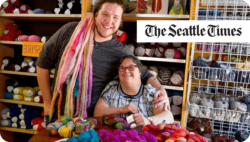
148,128
10,33
18,33
11,26
8,38
6,10
34,38
177,54
121,36
16,3
23,38
24,7
17,11
8,5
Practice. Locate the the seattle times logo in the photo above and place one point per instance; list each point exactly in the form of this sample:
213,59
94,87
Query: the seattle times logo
192,31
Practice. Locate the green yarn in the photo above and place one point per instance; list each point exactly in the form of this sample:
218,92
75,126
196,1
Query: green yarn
72,139
64,119
119,125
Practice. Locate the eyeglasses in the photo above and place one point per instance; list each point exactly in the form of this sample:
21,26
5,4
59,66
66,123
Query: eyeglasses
130,68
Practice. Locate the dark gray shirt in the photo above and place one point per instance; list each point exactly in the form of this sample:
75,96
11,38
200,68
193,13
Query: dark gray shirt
104,59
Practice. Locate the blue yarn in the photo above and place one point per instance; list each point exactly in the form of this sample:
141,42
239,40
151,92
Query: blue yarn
243,77
202,11
210,11
227,75
247,99
34,113
94,136
8,95
38,11
23,106
10,82
84,137
218,12
72,139
241,135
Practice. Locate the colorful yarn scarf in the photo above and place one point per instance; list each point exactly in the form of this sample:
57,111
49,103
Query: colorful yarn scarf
75,69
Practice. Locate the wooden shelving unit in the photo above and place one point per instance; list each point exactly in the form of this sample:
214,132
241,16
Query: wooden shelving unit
155,59
11,42
20,73
177,88
43,17
27,131
12,101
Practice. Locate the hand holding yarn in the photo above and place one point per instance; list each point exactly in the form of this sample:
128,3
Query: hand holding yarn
140,120
131,107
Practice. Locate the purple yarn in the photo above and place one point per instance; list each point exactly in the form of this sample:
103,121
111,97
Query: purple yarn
110,137
170,131
38,11
133,134
142,138
149,137
118,132
103,133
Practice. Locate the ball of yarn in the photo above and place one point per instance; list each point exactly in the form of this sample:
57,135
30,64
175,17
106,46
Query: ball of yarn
182,51
84,137
92,122
164,76
64,119
241,135
247,99
171,53
52,129
221,104
131,48
122,125
140,50
94,136
77,120
64,132
72,139
207,102
34,38
149,137
133,134
195,98
238,106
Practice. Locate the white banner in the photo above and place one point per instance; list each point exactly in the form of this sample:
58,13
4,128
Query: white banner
193,31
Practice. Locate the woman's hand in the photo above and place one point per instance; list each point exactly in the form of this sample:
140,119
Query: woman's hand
131,107
140,120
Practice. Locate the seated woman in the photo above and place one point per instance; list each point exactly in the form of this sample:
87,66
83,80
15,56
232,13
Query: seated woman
129,96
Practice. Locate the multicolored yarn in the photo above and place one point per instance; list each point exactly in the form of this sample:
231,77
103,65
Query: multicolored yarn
76,62
81,127
129,136
170,133
66,130
92,122
77,120
64,119
115,121
52,128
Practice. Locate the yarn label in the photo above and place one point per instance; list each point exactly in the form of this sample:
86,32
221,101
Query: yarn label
193,31
32,49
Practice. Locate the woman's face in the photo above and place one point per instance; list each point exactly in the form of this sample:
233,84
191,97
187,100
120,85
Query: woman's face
177,2
129,76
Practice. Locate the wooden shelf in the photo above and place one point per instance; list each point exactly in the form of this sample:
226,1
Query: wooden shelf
20,130
43,17
12,101
178,88
155,59
11,42
135,17
20,73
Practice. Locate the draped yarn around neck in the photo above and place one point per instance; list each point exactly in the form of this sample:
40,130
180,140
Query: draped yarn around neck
177,10
75,69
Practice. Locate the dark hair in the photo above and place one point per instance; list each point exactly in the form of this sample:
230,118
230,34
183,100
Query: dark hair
99,4
134,59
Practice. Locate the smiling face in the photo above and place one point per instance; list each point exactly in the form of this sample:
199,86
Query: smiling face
129,76
107,21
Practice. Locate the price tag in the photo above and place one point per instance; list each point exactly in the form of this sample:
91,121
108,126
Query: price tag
32,49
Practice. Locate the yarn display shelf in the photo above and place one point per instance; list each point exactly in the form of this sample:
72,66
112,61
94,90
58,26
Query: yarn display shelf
179,88
20,130
229,115
221,53
233,75
11,42
43,17
20,73
223,3
134,17
155,59
12,101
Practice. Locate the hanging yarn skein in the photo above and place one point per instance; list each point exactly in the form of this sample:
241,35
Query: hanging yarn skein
76,61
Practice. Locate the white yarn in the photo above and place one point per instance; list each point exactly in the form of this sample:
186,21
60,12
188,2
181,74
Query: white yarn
195,98
140,50
207,102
